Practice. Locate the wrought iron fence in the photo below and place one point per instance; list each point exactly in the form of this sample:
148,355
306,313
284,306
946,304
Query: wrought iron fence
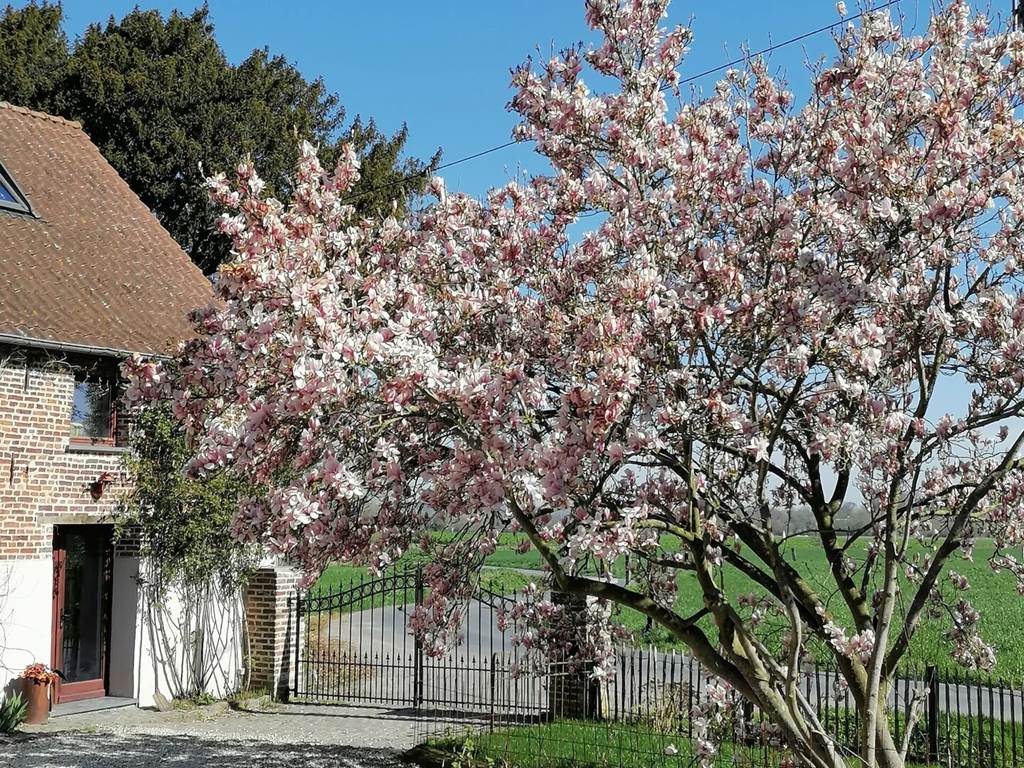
643,715
353,645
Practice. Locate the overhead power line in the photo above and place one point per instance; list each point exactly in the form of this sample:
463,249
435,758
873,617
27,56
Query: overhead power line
690,79
478,154
790,41
442,166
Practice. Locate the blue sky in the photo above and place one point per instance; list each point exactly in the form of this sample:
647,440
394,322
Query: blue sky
443,67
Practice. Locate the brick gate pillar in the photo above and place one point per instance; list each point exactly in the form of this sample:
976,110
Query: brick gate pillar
573,693
270,623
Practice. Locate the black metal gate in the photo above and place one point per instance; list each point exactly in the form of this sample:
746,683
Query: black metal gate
354,645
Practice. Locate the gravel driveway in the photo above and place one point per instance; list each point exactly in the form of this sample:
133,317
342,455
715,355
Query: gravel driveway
101,750
286,737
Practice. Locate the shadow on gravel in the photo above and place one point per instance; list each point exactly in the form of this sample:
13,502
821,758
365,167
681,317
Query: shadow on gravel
343,710
104,750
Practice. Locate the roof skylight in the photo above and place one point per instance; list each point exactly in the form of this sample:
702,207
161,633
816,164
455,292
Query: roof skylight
11,198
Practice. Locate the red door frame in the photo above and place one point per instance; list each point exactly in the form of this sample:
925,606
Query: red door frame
82,689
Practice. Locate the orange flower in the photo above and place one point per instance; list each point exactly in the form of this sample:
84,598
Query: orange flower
39,673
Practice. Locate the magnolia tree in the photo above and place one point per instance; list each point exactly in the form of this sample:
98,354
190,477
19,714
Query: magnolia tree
711,309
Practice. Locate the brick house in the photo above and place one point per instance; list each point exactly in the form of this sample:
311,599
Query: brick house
87,276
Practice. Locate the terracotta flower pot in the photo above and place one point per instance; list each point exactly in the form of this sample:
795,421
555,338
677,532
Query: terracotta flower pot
38,699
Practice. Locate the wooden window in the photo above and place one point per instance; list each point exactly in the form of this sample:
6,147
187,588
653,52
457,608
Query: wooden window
93,413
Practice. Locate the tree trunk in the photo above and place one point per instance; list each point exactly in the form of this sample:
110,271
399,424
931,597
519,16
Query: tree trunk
887,751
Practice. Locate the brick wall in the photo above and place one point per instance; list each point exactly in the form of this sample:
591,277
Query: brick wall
270,618
44,480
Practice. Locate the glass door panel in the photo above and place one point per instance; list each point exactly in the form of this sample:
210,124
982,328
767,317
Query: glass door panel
82,581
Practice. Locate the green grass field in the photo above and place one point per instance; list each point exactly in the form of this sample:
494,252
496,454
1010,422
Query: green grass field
994,595
342,578
569,743
592,744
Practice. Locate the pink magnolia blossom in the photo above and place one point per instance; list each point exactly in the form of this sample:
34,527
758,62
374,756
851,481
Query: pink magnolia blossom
710,309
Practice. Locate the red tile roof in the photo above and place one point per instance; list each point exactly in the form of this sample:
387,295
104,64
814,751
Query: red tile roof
93,267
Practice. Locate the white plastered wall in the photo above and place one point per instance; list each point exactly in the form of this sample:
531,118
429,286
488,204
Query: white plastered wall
26,594
177,645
